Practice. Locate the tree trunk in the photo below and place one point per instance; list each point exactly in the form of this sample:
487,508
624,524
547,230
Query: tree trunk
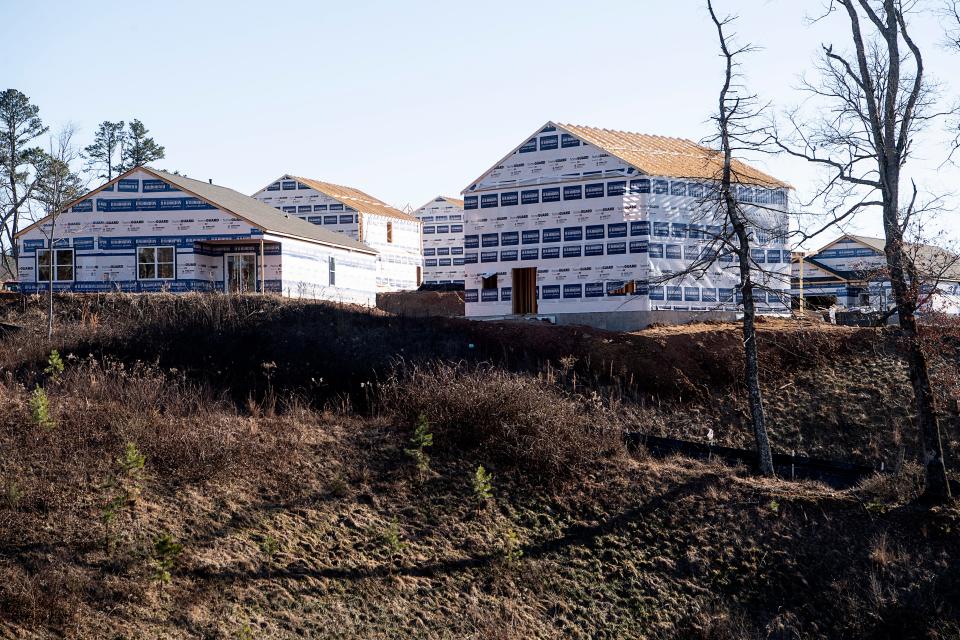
52,255
928,424
751,367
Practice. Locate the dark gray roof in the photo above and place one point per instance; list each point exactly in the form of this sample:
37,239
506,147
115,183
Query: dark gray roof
260,214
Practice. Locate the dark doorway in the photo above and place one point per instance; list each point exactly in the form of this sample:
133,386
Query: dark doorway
524,294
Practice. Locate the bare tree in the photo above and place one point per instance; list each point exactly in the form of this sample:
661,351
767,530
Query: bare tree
742,211
57,185
873,101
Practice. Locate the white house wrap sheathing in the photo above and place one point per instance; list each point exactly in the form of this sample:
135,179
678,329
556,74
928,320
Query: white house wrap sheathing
591,222
442,220
317,272
392,233
190,230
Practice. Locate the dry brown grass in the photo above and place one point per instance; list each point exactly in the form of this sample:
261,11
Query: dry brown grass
514,421
283,507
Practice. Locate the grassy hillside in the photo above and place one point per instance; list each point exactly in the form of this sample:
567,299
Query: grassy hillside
220,468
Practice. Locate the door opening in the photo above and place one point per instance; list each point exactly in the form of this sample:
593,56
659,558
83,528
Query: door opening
241,273
524,294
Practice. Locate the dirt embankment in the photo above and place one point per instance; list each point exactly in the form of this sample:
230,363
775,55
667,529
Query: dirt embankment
829,391
245,479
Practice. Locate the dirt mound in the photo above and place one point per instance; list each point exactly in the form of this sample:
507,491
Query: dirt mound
420,304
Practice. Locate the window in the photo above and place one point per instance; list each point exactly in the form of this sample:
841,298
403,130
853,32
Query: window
64,266
490,282
155,263
389,232
332,269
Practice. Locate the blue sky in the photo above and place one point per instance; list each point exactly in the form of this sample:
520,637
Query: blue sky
408,100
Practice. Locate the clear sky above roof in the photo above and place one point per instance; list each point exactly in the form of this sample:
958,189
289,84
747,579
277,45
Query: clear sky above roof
407,100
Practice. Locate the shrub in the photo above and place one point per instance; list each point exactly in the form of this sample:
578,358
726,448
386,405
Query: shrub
54,365
511,551
269,546
421,439
166,551
391,537
123,487
482,484
520,422
40,408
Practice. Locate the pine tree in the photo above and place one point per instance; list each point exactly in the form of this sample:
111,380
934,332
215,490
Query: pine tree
107,145
20,124
138,148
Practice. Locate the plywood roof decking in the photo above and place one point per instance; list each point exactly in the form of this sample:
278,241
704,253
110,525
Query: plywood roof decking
453,201
668,157
250,209
354,198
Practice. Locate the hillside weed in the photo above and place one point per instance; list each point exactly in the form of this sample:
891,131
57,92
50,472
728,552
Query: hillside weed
12,495
422,438
482,485
39,405
123,488
269,546
166,551
391,538
54,366
511,550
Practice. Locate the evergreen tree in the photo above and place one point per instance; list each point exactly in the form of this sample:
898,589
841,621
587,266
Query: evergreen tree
138,148
20,124
107,144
